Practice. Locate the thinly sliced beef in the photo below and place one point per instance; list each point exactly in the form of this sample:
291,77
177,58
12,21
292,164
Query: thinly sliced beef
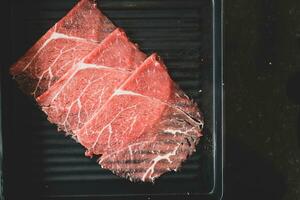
67,42
160,149
146,128
73,99
97,86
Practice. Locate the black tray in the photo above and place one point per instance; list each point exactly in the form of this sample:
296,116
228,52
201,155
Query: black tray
39,163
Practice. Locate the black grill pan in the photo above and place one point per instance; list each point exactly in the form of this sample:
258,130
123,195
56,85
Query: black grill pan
39,163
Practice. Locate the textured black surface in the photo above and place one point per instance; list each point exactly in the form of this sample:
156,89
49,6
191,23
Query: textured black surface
40,163
262,81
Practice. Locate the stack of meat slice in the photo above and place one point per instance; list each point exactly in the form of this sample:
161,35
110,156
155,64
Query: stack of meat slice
100,88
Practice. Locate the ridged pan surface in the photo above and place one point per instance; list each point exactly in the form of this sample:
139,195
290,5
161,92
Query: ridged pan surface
41,163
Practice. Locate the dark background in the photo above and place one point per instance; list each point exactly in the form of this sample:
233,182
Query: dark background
262,89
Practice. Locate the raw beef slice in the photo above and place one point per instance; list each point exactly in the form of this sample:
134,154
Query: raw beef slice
97,86
146,128
67,42
72,100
